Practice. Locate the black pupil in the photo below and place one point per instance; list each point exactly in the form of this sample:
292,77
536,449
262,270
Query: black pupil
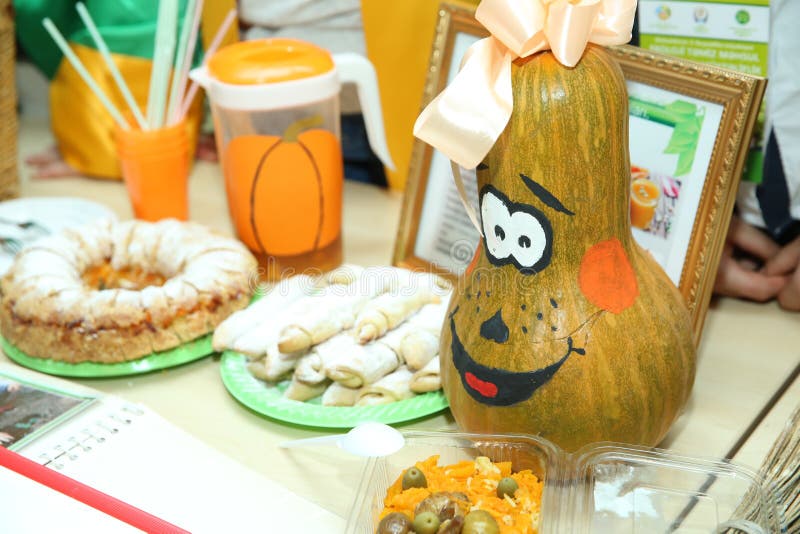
524,241
499,232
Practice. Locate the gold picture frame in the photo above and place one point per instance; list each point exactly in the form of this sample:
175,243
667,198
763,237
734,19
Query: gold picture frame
718,106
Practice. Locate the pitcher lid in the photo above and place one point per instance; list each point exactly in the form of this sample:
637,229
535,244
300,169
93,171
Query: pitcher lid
264,61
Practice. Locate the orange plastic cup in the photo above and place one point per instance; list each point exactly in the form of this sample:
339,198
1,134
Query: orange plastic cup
155,168
644,199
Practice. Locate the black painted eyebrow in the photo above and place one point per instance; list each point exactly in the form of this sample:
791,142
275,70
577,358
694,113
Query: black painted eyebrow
544,195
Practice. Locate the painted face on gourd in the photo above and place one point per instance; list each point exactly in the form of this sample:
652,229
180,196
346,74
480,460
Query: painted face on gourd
554,259
563,327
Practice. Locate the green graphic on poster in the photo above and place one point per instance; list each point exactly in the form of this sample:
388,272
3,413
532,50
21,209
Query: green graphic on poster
685,119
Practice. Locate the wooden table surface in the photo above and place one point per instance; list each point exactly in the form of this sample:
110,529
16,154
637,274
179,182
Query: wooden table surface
745,389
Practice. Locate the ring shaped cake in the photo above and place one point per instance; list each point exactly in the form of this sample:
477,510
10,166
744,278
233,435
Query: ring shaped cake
112,292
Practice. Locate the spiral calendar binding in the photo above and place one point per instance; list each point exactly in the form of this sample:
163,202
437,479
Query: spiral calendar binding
94,434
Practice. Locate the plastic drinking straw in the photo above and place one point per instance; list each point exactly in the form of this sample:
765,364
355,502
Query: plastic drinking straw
183,59
101,46
72,58
162,61
212,47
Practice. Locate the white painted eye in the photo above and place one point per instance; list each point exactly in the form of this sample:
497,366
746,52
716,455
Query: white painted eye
515,233
527,238
496,220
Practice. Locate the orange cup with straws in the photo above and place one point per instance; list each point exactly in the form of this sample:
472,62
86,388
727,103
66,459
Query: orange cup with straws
155,168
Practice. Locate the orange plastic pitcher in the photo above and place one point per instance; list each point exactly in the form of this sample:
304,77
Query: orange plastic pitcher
275,104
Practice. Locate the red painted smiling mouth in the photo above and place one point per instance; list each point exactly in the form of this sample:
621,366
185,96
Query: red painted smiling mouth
500,387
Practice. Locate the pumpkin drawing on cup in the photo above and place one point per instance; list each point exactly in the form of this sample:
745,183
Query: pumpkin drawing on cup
287,190
563,326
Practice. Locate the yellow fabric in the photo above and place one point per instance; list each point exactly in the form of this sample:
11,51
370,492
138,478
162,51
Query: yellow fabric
399,37
82,127
213,15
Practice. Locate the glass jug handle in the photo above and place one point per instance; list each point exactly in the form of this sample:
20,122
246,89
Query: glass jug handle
358,70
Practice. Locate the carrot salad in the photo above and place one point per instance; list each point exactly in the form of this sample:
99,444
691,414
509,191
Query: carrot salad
478,480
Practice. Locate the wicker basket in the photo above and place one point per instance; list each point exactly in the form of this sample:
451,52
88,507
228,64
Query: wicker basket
9,181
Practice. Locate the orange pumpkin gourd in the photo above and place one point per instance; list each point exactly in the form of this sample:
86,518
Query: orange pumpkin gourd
564,327
287,190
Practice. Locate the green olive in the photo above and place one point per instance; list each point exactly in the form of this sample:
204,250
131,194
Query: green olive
426,523
480,522
507,486
414,478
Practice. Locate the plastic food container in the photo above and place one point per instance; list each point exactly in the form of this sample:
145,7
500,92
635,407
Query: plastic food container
600,488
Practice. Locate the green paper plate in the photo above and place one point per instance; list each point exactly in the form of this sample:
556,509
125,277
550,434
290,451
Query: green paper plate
188,352
268,400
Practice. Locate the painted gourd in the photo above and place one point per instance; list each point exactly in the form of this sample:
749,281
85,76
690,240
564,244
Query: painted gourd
287,191
562,326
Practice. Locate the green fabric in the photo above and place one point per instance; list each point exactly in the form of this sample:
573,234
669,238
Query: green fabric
754,166
32,36
127,26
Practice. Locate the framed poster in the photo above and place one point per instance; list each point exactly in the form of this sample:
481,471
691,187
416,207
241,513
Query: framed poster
690,127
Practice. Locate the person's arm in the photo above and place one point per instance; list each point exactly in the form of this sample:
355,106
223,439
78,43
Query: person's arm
787,263
740,271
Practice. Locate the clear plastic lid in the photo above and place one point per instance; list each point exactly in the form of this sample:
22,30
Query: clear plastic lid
601,488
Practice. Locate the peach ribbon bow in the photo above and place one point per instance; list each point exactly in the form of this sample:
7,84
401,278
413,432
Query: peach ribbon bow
465,120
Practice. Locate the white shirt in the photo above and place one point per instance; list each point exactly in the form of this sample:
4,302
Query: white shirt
782,105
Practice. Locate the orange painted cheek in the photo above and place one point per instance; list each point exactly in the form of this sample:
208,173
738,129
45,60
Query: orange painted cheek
606,277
